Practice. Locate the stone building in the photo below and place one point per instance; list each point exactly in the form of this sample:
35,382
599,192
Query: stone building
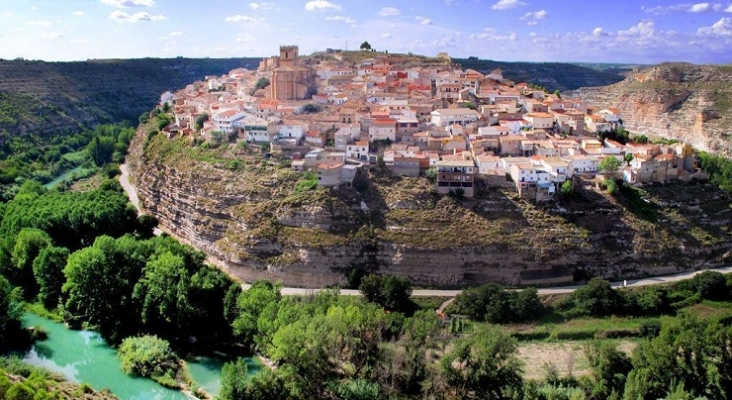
290,80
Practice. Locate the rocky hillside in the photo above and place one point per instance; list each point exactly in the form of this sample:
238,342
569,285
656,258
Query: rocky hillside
559,76
44,97
260,218
689,102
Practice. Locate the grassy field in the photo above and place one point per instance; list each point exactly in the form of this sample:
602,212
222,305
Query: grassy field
561,344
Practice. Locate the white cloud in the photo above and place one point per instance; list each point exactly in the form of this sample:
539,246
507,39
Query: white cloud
691,8
321,5
598,32
347,20
494,34
176,33
389,11
51,35
129,3
728,9
542,14
507,4
723,27
386,35
261,6
242,18
423,20
78,13
38,23
644,28
122,16
78,41
34,8
701,7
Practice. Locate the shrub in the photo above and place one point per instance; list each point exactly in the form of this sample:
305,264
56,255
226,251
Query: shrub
148,356
596,299
650,329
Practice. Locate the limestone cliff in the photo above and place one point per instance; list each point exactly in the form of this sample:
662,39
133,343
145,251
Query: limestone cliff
692,103
245,210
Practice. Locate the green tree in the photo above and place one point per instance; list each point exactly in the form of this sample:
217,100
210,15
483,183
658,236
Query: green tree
10,313
48,269
234,381
200,120
28,244
628,158
148,356
99,285
310,108
365,46
610,367
389,291
609,164
567,188
251,303
483,365
101,150
596,299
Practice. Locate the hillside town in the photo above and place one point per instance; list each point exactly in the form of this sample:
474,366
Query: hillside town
464,128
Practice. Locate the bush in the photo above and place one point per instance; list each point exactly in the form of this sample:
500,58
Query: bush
712,285
596,299
388,291
650,329
494,304
148,356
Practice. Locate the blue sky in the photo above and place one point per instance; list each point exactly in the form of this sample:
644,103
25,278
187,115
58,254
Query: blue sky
638,31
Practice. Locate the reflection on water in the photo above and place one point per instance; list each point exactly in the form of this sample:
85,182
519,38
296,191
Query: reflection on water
83,356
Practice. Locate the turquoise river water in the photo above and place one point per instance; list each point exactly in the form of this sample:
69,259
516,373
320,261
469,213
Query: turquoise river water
83,356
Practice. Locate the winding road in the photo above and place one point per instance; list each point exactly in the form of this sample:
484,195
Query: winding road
124,180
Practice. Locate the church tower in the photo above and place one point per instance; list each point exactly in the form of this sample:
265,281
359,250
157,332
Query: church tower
288,55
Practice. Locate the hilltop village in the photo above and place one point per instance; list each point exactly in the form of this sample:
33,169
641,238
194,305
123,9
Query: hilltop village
332,116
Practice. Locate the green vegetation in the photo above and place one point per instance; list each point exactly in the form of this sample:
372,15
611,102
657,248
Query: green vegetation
609,164
19,381
42,159
388,291
150,357
718,169
493,304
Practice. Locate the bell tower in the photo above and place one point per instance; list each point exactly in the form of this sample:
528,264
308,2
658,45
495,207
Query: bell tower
288,55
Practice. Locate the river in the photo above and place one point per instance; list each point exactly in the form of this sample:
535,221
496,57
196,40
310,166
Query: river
83,356
62,177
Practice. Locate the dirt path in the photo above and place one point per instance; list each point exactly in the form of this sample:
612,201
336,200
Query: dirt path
124,180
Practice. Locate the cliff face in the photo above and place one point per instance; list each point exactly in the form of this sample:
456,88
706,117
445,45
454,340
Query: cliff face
251,218
679,101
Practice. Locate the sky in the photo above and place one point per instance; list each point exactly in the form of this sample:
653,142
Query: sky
622,31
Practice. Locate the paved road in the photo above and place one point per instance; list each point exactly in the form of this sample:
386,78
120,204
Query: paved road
553,290
124,180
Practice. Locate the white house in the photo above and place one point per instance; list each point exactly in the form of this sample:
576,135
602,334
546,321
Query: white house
523,173
383,129
358,150
448,116
291,130
224,121
254,129
582,164
540,120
